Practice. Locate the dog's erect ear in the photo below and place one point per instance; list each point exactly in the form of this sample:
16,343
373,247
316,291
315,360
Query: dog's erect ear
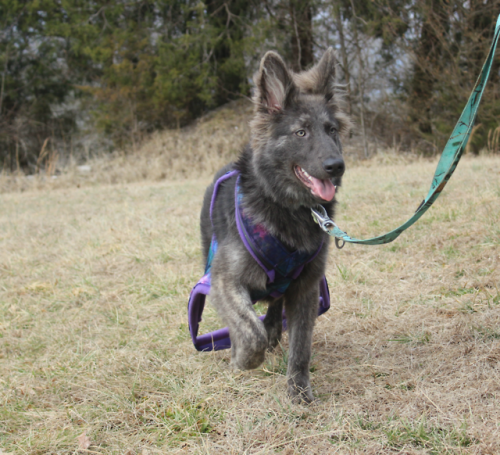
320,79
274,82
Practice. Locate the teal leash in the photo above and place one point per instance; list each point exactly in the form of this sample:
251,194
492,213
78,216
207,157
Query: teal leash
448,162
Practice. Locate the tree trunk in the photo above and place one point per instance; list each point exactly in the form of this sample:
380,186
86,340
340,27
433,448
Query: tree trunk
343,53
227,17
302,34
427,64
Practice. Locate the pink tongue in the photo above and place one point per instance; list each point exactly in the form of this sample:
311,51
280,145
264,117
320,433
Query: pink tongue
322,188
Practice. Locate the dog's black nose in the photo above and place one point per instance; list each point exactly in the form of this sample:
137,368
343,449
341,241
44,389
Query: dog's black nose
334,166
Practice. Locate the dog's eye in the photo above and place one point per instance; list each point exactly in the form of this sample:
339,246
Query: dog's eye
300,133
333,130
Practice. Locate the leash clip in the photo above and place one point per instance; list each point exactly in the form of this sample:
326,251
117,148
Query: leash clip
321,217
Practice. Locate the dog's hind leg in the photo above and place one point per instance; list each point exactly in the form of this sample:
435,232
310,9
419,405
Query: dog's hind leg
301,312
273,323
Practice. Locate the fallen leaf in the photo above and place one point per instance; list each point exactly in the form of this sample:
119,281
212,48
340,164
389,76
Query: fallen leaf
83,441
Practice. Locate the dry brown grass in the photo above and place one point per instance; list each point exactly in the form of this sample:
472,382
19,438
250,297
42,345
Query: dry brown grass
93,326
196,151
94,284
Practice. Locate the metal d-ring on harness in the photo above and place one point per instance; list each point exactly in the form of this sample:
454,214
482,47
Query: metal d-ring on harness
448,162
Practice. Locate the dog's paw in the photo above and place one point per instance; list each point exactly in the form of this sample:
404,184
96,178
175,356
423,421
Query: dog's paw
300,394
274,338
233,367
243,361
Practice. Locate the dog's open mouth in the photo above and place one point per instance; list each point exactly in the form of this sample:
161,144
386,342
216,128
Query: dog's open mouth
323,189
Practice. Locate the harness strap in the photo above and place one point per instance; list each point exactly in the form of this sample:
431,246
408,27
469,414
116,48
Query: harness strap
245,238
271,255
221,179
219,339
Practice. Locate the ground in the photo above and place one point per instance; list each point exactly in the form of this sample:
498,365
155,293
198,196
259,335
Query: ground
95,354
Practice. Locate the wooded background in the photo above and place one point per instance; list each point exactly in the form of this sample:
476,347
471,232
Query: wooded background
81,77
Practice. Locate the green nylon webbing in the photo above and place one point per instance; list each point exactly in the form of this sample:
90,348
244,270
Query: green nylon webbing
449,159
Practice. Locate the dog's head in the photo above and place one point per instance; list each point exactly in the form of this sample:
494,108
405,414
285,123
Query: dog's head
296,131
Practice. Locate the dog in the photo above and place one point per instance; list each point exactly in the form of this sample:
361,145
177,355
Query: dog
292,163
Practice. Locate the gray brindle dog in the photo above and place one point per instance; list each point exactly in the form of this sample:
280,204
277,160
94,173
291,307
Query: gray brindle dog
293,162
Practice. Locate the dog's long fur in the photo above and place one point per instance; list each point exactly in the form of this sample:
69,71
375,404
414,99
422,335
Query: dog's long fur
286,106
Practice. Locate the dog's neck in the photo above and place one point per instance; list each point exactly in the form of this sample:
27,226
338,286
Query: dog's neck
292,224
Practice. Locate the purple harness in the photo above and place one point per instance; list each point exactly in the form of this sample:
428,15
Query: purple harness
281,266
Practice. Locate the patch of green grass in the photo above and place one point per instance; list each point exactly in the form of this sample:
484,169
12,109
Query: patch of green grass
421,434
339,438
485,272
147,291
260,308
276,363
379,374
363,422
486,333
185,419
493,237
348,275
451,252
449,215
408,386
413,338
343,271
482,298
165,258
366,308
399,433
467,308
387,267
460,291
460,273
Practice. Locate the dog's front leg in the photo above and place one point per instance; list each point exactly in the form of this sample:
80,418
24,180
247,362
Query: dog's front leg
232,300
301,308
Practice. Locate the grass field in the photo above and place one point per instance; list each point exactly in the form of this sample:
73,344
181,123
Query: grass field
95,355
